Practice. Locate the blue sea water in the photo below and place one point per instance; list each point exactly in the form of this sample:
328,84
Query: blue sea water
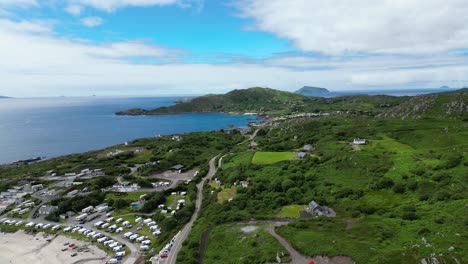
50,127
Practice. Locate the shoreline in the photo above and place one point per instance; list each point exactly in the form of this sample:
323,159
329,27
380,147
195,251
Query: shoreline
21,247
261,118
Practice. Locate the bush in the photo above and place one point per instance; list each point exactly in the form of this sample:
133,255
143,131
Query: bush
399,188
442,196
412,185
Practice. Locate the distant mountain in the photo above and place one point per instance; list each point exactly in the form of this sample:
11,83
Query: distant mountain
3,97
445,87
443,105
313,91
252,100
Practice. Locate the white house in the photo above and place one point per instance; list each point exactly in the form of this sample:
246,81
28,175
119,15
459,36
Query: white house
359,141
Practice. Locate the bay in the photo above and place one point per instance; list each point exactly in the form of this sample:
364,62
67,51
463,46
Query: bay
50,127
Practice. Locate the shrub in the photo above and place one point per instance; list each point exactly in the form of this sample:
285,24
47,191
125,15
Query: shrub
399,188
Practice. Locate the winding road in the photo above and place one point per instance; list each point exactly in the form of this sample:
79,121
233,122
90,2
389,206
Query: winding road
186,230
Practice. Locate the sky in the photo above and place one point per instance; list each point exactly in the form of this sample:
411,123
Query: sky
172,47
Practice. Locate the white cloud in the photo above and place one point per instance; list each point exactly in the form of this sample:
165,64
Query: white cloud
35,61
92,21
75,10
18,3
111,5
26,26
368,26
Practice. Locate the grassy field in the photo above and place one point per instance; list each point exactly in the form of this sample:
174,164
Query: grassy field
231,161
132,196
229,244
171,201
375,239
262,158
227,193
291,211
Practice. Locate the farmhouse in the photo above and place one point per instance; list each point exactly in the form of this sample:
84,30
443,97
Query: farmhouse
317,210
359,141
308,148
302,155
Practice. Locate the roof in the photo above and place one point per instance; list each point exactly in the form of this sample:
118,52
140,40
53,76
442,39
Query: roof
308,147
313,205
46,209
177,167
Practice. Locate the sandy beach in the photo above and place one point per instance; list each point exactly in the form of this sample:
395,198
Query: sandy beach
23,248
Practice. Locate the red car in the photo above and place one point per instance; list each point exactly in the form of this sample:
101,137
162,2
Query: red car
71,245
163,255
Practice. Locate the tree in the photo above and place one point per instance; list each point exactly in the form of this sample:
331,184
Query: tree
121,203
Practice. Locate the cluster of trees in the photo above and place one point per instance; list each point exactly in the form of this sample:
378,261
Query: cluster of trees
74,204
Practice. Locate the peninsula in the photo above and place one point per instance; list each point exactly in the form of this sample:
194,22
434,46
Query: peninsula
267,101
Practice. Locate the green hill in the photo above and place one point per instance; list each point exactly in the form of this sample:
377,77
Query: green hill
257,100
453,104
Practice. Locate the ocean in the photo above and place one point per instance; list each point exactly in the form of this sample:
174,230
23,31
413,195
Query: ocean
51,127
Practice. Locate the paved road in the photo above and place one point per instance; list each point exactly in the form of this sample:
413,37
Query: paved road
186,230
251,137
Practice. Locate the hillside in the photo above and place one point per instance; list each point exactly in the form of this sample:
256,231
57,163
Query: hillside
313,91
453,104
257,100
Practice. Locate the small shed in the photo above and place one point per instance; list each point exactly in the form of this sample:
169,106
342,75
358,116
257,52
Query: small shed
359,141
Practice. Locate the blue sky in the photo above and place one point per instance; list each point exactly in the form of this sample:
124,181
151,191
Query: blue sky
156,47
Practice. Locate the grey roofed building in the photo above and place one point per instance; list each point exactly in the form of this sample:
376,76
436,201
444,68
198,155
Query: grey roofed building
177,167
302,155
47,209
308,147
316,209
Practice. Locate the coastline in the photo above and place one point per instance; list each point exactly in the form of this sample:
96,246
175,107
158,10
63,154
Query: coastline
256,119
20,247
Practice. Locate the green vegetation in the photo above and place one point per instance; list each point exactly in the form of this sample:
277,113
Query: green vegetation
401,197
257,100
272,157
407,183
276,103
226,194
291,211
377,239
229,244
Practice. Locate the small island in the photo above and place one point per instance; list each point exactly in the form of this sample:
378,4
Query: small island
313,91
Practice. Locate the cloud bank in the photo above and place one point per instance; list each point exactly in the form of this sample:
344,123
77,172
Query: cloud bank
364,26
